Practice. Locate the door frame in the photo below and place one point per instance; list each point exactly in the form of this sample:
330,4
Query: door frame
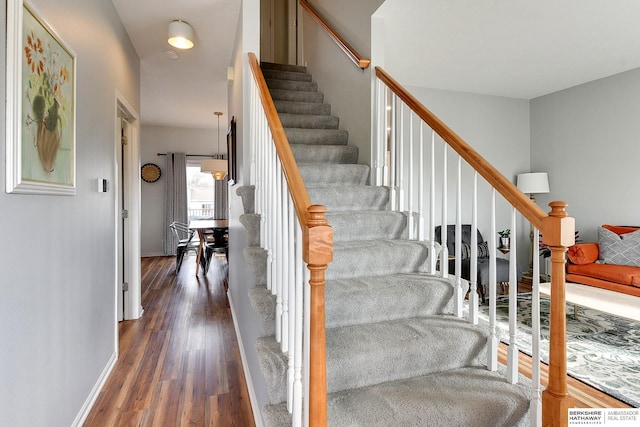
132,301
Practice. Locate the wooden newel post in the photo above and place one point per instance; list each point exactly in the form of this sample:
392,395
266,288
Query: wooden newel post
318,253
558,230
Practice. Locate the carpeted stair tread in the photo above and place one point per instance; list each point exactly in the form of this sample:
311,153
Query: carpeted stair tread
334,175
462,397
317,136
306,121
369,299
367,225
349,197
264,303
292,85
247,195
286,75
283,67
374,353
251,223
377,258
256,257
305,153
296,96
313,108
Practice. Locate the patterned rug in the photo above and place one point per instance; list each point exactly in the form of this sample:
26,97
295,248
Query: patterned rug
603,351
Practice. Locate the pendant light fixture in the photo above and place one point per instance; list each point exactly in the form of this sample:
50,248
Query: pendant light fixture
180,34
218,166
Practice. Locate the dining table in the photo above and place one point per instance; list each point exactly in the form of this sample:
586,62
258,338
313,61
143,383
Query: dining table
202,226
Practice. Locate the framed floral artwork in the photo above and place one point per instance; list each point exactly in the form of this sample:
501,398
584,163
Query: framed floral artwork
40,118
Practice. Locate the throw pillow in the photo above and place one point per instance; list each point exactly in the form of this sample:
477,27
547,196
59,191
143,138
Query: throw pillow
621,229
483,250
465,251
619,249
583,253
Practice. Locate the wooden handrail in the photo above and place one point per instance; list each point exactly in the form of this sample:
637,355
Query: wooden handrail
317,252
353,55
510,192
299,195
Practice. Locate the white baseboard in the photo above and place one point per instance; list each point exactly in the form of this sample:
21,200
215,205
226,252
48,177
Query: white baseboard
257,415
97,388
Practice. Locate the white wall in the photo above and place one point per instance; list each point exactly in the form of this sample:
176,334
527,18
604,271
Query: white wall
345,86
161,139
587,138
57,307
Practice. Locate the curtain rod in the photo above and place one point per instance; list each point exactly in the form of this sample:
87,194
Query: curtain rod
191,155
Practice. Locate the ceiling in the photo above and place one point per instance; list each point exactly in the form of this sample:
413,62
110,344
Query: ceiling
514,48
182,92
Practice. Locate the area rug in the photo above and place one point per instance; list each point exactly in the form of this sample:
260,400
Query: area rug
603,350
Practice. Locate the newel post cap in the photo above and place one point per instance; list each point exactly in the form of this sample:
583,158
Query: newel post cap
558,229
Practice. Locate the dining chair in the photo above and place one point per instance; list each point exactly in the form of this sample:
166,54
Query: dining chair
217,241
184,236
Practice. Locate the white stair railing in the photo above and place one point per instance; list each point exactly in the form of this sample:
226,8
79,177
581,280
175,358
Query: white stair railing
291,246
400,139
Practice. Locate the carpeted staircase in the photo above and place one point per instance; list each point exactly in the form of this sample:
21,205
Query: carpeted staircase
396,356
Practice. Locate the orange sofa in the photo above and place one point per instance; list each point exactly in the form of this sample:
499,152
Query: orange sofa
589,266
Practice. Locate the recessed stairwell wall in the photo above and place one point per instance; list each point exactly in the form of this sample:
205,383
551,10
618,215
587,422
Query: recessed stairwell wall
345,87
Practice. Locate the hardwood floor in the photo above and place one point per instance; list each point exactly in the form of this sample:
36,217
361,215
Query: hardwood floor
179,364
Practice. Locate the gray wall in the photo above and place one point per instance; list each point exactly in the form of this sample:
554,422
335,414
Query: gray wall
345,86
587,139
160,139
241,276
498,129
58,304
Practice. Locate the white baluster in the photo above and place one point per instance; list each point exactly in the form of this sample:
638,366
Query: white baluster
536,413
392,162
432,206
492,362
400,164
277,246
473,274
512,355
458,293
421,189
298,391
444,255
284,262
410,178
291,286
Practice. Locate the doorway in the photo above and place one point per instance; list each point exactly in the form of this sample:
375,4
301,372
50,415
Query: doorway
127,193
278,31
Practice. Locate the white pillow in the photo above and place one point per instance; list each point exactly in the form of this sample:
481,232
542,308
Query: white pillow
621,249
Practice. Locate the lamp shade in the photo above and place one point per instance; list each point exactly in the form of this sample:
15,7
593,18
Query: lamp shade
216,167
180,35
532,183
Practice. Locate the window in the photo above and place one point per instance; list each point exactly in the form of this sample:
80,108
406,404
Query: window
200,193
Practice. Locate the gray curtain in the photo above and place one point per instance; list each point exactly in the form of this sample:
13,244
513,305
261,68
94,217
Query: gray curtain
221,206
175,198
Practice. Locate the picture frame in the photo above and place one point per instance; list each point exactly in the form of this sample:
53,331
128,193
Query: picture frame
40,117
231,152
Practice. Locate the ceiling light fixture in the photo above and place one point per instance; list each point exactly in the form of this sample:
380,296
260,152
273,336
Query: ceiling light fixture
180,34
218,166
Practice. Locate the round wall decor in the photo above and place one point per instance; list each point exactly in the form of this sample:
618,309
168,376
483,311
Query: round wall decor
150,172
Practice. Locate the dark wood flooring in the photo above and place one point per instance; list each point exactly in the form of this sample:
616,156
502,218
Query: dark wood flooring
178,365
